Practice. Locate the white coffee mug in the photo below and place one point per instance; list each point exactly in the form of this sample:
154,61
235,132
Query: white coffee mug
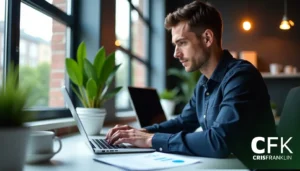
288,69
275,68
295,70
41,142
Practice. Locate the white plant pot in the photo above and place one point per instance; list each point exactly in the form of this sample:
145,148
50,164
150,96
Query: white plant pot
92,119
13,147
168,107
274,111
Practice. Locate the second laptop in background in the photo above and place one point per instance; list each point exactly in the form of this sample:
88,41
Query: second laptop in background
146,104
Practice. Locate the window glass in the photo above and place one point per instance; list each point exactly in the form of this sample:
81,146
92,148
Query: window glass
122,23
139,74
23,47
140,5
137,46
2,17
61,4
1,50
43,65
122,78
33,50
139,36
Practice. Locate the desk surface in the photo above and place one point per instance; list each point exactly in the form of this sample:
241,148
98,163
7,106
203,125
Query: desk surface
76,156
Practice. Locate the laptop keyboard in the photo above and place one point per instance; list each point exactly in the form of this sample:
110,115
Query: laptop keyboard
102,144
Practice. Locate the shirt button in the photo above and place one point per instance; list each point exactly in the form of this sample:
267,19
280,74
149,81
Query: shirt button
204,116
207,93
160,149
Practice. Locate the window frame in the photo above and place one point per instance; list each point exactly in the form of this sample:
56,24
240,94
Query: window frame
131,55
12,38
80,15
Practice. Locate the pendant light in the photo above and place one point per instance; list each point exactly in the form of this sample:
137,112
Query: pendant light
285,23
246,24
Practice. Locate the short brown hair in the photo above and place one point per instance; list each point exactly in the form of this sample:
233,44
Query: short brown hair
198,15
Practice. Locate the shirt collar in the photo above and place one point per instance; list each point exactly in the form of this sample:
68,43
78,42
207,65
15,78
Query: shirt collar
220,70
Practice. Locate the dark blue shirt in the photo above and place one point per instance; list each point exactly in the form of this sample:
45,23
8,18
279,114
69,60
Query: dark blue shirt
232,107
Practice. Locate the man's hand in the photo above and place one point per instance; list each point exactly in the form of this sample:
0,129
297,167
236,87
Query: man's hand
126,134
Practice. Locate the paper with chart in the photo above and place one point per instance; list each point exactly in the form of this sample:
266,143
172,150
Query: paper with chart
148,161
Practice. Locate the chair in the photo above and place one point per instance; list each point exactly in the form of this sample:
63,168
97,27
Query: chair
289,124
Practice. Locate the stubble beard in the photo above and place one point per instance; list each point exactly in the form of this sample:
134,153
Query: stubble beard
204,63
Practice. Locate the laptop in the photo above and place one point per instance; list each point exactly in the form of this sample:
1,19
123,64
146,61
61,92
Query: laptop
146,104
96,144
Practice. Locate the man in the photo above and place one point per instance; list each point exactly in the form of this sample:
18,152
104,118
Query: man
230,102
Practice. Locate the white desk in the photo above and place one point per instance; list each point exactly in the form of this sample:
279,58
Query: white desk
76,156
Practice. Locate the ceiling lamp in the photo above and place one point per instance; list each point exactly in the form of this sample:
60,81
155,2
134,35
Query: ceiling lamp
246,25
286,23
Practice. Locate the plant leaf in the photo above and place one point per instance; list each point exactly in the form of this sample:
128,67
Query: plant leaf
181,74
13,99
112,74
107,68
89,70
99,61
169,94
91,89
74,72
112,93
81,55
79,96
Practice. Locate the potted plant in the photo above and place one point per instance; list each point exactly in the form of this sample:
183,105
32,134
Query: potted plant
14,134
187,83
92,81
274,108
168,101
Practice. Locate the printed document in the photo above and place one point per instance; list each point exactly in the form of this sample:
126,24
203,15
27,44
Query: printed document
149,161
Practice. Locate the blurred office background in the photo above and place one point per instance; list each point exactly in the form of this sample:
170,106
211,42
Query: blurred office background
39,34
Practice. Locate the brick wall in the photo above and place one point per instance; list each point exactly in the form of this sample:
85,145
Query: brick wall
57,74
58,46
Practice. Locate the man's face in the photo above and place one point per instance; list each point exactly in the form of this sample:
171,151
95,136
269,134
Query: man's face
190,50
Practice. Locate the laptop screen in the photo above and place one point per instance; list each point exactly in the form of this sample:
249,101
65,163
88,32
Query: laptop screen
147,105
74,113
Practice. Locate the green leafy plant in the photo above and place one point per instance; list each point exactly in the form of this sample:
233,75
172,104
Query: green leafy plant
13,99
273,105
92,79
38,77
169,94
187,84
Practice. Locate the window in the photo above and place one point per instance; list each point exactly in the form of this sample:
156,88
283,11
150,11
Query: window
132,32
44,70
139,31
122,98
23,46
2,14
1,53
46,39
61,4
139,74
33,50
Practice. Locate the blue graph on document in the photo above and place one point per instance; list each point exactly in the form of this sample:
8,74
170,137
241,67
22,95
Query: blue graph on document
163,159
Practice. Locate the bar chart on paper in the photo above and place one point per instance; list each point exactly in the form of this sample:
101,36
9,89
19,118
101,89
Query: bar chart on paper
149,161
